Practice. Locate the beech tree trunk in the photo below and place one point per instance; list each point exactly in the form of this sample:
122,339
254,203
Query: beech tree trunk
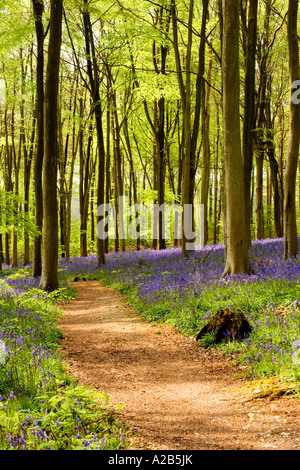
237,256
206,152
38,162
259,207
290,223
49,277
93,74
249,110
185,93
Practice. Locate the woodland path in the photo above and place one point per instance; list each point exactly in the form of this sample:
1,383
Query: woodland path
178,396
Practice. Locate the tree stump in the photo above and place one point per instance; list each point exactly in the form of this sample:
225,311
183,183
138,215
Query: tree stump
227,325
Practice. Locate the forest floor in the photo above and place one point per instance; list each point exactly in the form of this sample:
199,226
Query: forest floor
178,396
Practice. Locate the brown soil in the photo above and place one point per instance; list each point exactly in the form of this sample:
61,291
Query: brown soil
178,396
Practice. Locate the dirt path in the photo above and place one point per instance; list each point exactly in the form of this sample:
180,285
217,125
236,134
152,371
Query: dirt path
178,396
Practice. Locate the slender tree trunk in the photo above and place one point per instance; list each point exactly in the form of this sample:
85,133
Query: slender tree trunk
49,277
134,183
249,107
201,113
92,69
38,161
28,156
63,155
85,178
69,191
177,215
290,224
16,165
185,92
206,152
274,170
280,161
92,214
216,176
161,171
118,154
259,207
115,183
8,182
107,163
270,231
155,167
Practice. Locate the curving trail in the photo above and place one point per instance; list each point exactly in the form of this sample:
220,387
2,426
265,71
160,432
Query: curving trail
177,395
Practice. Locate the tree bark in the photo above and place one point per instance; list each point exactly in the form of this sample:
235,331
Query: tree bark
259,207
206,151
38,7
237,256
249,107
93,74
185,93
16,165
49,277
133,181
290,223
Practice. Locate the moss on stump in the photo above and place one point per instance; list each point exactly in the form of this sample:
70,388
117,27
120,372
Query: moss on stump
227,325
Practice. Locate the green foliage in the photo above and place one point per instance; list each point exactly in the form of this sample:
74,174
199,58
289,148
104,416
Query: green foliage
208,341
12,218
75,418
41,406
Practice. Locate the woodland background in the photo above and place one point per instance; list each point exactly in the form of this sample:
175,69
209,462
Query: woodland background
133,79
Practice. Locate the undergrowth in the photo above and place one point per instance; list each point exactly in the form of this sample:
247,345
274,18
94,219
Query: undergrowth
41,406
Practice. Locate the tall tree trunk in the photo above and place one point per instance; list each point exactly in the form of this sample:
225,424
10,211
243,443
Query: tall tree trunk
69,183
216,180
237,256
49,277
16,165
134,183
63,155
38,7
116,187
107,163
259,207
206,151
249,107
274,170
154,165
280,160
27,155
92,214
8,183
85,177
201,113
290,223
185,93
119,174
92,69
